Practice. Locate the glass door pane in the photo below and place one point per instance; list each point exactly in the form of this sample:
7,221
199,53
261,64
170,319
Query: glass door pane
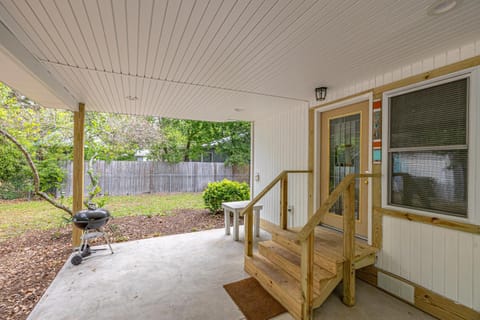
344,155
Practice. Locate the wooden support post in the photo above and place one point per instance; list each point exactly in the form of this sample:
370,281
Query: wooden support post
249,232
349,245
311,160
377,203
306,269
307,250
284,202
78,167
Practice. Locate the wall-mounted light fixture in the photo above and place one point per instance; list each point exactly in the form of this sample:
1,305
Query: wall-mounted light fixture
442,6
321,93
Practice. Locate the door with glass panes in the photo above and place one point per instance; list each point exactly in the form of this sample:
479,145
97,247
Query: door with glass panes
344,150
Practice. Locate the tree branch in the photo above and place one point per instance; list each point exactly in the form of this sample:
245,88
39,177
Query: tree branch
94,181
36,177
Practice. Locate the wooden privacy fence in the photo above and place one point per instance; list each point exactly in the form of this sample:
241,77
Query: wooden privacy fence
139,177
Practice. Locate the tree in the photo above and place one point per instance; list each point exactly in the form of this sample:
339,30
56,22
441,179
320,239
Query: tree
187,140
236,142
43,133
118,137
36,177
182,140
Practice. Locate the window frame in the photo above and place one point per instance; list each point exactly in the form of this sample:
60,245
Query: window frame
472,144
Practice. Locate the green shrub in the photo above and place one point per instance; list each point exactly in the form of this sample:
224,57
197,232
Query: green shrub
10,191
224,191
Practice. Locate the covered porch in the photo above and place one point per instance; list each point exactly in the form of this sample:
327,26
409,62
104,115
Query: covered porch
262,61
182,277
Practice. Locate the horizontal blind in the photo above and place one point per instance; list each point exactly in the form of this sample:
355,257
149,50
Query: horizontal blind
435,116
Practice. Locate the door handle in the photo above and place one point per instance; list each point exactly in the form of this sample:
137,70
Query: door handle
366,179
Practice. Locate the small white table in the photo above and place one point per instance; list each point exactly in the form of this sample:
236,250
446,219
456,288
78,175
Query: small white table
236,207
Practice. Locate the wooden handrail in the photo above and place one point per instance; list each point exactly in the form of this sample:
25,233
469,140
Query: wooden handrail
247,212
269,187
327,204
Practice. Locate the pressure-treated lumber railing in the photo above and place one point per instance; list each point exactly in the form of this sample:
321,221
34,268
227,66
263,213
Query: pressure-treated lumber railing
306,238
248,211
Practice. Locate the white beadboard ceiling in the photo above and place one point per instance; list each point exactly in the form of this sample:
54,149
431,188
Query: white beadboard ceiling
220,60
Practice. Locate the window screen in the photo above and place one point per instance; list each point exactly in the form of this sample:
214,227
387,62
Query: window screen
428,151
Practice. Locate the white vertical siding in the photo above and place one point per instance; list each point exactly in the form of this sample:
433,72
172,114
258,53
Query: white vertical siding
465,268
476,274
442,260
451,264
439,261
281,143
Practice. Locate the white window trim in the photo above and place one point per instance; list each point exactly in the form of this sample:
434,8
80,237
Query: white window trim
473,201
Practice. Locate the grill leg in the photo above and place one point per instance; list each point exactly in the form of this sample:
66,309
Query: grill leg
82,242
84,248
108,240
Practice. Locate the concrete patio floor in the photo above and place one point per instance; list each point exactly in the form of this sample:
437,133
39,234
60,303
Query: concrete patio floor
180,277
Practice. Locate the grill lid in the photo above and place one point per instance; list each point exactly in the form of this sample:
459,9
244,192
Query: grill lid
88,215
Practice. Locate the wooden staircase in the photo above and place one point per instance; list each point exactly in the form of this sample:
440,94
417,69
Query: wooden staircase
301,268
277,266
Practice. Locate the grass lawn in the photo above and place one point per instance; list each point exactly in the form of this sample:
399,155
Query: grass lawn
16,217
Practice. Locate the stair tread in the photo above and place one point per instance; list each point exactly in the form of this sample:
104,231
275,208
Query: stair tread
328,243
289,285
319,272
321,248
332,242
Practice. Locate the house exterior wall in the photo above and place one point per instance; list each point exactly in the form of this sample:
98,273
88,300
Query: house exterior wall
280,143
445,261
442,260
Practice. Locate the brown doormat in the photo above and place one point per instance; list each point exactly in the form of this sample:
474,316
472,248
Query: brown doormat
254,301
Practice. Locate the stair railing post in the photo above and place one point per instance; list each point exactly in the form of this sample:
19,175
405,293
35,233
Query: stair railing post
284,202
349,244
306,274
249,232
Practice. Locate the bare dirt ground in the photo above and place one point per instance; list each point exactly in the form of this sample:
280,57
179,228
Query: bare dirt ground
29,263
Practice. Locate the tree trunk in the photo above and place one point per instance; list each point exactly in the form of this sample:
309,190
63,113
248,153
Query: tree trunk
186,158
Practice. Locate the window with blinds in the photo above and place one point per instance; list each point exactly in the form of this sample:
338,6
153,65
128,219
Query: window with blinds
428,149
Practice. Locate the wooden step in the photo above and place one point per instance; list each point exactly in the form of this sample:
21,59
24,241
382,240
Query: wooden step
327,288
277,282
324,259
290,263
328,246
331,242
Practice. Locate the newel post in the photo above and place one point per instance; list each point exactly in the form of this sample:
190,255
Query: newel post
306,274
78,167
349,244
249,232
284,202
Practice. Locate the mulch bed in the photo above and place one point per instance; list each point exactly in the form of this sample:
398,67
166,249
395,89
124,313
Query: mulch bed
29,263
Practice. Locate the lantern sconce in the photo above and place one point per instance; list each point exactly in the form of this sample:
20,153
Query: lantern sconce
321,93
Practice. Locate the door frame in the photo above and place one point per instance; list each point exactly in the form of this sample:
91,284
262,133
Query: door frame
317,151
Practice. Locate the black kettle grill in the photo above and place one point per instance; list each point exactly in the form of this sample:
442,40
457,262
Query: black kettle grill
91,221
